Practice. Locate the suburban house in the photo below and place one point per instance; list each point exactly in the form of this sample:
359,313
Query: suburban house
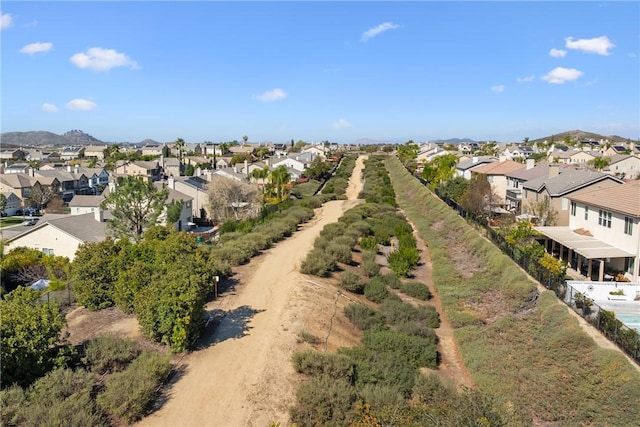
12,154
151,170
61,236
94,151
80,205
152,149
186,214
72,181
290,162
603,234
223,162
465,167
70,153
317,150
18,184
496,176
557,187
515,151
171,166
623,166
619,148
232,174
518,177
197,188
14,203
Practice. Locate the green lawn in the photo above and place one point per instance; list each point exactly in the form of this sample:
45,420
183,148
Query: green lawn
10,220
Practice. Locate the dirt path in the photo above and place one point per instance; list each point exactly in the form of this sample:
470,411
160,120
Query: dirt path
243,375
451,368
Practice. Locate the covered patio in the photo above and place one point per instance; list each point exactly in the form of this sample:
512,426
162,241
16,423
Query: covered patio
580,251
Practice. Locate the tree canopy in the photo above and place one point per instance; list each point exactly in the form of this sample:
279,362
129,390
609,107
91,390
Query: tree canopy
135,206
30,337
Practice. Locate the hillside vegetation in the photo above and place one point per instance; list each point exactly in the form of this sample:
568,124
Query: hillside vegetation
519,345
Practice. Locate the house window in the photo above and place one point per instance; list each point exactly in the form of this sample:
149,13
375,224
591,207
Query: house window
573,208
604,218
565,204
628,225
47,251
586,212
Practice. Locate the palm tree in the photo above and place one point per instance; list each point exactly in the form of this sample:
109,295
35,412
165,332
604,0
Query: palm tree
280,177
599,163
245,139
180,145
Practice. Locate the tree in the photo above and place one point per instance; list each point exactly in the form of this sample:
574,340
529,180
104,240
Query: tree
135,205
41,194
166,151
454,188
408,151
180,144
189,170
476,197
245,139
440,169
241,157
174,211
543,210
280,177
94,273
599,163
30,337
3,202
231,199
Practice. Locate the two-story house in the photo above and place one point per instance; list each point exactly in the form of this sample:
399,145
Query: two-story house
558,186
465,167
603,233
623,166
151,170
516,178
496,176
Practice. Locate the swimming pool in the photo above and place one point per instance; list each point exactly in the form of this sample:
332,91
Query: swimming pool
631,320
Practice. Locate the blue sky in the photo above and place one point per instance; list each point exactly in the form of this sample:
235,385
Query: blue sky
339,71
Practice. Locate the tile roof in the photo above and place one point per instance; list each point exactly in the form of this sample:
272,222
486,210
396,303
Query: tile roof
567,181
624,198
17,180
499,168
86,201
83,227
468,164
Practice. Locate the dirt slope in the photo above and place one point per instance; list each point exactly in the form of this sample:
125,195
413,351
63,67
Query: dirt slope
243,375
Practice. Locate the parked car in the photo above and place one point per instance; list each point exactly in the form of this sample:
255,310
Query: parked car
31,212
30,221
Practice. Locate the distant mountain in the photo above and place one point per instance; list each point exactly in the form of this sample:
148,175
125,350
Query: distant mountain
43,138
455,141
580,136
148,142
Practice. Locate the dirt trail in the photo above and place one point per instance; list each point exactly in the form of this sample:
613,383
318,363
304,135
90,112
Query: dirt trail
243,375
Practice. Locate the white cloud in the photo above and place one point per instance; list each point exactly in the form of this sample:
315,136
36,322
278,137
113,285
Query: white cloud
372,32
497,89
341,124
599,45
6,20
99,59
561,75
79,104
37,47
272,95
49,108
558,53
527,79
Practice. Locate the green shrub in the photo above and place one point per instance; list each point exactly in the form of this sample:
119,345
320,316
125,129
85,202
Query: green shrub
61,398
376,290
369,243
13,402
109,353
318,263
396,312
308,337
363,316
418,351
341,253
128,393
417,328
416,289
314,363
403,260
333,230
323,401
369,265
380,396
391,280
352,282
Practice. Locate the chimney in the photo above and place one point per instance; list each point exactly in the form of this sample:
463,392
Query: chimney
554,170
69,168
246,166
530,164
77,169
198,171
171,182
97,214
502,158
474,159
